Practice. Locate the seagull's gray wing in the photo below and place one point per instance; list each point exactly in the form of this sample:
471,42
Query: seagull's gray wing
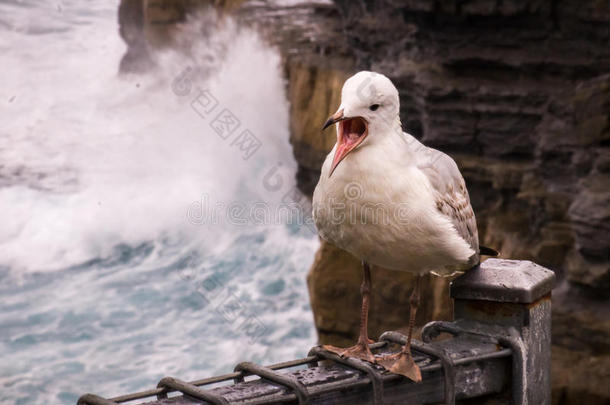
451,195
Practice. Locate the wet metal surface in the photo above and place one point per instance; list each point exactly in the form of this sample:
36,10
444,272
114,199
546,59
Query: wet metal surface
480,368
500,346
509,301
501,280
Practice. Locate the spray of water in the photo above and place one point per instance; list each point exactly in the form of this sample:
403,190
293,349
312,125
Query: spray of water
105,273
91,160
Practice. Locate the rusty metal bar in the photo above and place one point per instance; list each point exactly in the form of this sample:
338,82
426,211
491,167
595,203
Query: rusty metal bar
205,381
91,399
500,346
353,381
440,353
264,372
373,375
190,390
433,329
510,300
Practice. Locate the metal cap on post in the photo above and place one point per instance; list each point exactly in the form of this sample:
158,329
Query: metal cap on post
498,280
512,297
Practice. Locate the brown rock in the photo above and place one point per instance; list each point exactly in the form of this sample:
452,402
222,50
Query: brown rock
579,377
312,86
592,275
131,28
583,328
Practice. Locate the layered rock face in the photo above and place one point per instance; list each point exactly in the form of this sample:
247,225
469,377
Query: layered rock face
518,92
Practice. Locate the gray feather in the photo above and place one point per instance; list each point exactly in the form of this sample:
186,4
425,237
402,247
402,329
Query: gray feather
451,195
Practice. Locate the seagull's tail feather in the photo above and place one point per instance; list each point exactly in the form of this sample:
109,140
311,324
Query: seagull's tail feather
484,250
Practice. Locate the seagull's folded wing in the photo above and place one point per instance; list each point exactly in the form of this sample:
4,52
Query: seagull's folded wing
450,193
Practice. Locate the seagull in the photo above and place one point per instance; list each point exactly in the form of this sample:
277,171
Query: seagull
392,202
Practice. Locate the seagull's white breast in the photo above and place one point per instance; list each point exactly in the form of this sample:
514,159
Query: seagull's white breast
382,209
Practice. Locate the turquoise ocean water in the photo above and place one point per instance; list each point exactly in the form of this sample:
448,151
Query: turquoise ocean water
143,221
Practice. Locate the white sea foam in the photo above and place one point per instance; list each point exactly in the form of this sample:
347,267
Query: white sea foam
101,269
90,159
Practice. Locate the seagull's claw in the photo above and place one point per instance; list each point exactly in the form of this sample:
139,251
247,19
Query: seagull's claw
359,350
401,363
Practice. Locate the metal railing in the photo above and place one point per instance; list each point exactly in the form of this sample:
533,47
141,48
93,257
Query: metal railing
499,346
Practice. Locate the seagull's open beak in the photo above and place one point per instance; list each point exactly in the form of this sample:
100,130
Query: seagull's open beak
351,132
333,119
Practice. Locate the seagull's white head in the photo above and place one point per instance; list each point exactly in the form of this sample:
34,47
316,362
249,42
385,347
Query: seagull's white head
369,109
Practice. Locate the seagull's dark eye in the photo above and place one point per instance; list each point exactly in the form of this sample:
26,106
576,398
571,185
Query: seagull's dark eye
374,107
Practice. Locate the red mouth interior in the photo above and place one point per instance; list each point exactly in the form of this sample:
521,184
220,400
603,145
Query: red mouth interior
352,130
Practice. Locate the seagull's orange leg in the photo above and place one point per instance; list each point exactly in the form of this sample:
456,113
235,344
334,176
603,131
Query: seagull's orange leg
402,363
361,348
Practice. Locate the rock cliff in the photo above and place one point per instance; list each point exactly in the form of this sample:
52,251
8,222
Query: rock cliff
518,92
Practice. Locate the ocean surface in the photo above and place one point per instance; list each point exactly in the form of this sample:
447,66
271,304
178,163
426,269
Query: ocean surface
149,224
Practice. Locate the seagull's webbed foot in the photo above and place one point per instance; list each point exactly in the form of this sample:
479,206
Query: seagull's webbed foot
360,351
401,363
